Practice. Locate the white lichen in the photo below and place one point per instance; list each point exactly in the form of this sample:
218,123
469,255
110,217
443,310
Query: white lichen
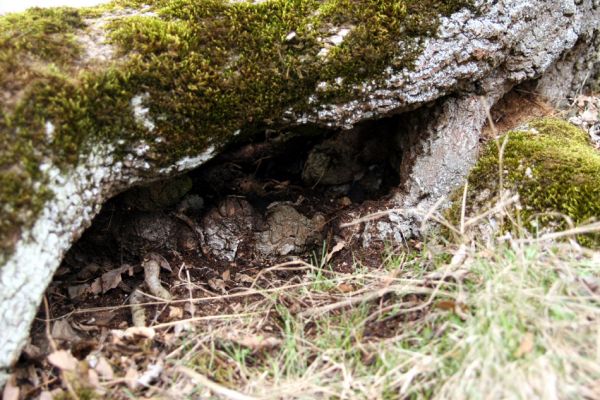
141,114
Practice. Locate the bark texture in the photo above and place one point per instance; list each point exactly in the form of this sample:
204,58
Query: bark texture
476,56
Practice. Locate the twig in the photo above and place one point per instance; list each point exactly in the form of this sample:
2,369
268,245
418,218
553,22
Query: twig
55,349
206,318
368,297
213,386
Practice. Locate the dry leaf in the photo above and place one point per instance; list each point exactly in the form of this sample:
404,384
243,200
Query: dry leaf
62,330
131,377
134,332
151,374
217,284
243,278
256,342
226,275
162,262
63,360
78,290
93,378
526,346
110,280
11,392
45,395
345,288
182,327
447,305
104,369
336,249
175,312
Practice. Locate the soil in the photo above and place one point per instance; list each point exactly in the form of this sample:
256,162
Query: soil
216,230
247,219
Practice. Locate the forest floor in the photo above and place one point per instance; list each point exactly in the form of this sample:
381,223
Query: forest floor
455,315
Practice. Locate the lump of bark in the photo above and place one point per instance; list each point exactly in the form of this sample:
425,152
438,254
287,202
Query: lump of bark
159,195
146,231
226,227
345,157
287,231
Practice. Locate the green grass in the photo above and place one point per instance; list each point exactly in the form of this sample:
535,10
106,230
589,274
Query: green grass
496,318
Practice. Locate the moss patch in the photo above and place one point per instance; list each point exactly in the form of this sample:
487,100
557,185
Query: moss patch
203,69
553,168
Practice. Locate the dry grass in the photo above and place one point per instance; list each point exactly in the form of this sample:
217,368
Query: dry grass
508,318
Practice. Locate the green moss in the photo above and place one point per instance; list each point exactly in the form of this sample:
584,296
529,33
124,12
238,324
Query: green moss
553,168
205,68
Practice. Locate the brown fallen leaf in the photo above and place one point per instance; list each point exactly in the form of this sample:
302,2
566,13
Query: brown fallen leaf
104,369
243,278
447,305
175,313
62,330
162,262
226,275
110,280
339,246
256,343
345,288
526,346
217,284
78,290
134,332
11,391
131,377
63,360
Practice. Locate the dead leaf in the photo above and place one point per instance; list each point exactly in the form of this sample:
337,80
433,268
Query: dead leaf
93,378
88,271
243,278
78,290
134,332
151,374
110,280
256,343
162,262
345,288
45,395
345,201
62,330
11,391
131,377
448,305
104,369
526,346
336,249
175,312
217,284
63,360
182,327
226,275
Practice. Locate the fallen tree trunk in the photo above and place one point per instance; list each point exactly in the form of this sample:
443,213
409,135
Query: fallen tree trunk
96,101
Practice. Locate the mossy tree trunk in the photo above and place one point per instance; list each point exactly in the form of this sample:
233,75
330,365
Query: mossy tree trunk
95,101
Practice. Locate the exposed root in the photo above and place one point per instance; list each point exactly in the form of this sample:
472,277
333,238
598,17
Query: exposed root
152,278
138,314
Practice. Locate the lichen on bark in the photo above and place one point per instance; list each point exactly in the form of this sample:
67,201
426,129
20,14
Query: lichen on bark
185,75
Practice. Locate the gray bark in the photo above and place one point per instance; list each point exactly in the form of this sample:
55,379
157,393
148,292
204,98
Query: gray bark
474,60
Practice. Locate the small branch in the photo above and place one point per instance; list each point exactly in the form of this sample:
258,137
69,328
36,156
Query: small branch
213,386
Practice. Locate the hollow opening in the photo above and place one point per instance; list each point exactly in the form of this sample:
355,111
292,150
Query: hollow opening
213,229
